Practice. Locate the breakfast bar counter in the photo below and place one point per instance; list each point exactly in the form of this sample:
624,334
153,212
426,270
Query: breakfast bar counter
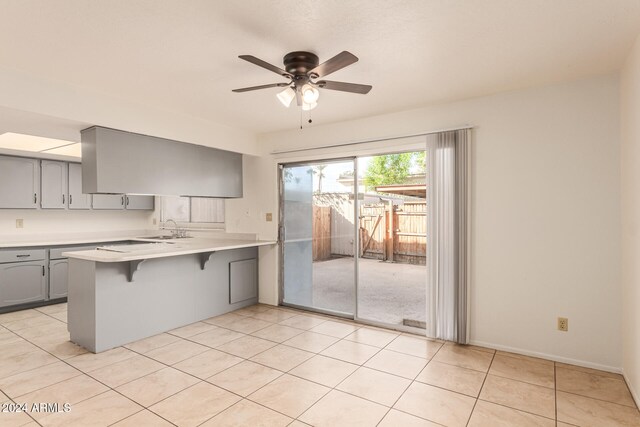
126,292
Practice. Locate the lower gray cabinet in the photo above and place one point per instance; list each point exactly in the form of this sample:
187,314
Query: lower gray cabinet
58,278
243,280
22,282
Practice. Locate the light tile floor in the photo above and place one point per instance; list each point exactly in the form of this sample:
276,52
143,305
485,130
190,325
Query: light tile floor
281,367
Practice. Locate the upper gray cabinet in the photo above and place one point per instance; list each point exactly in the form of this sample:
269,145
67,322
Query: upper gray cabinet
53,188
115,161
19,182
77,199
108,201
139,202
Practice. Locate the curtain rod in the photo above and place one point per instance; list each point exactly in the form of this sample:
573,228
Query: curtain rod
365,141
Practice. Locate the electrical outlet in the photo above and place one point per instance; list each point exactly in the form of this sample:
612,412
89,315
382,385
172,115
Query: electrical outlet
269,217
19,223
563,324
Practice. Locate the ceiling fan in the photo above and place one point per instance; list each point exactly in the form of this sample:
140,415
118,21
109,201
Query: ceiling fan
303,69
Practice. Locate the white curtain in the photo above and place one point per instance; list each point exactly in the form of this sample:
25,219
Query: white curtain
448,235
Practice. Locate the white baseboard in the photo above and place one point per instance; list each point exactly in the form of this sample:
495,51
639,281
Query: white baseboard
634,393
553,357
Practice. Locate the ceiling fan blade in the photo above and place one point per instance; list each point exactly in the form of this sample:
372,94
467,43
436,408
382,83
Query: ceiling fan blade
247,89
334,64
259,62
344,87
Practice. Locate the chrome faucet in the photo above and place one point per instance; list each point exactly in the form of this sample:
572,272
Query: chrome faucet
177,232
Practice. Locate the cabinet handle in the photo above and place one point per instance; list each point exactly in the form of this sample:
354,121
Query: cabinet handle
63,199
127,197
122,200
43,270
35,198
70,199
22,256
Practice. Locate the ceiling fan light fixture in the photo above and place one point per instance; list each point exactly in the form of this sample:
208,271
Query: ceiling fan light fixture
310,94
306,106
286,96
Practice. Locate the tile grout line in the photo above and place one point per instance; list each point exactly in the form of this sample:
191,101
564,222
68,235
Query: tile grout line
379,349
87,374
206,381
409,386
493,356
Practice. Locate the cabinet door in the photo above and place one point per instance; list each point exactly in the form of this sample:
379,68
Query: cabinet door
58,276
243,280
19,182
53,188
77,200
21,282
139,202
108,201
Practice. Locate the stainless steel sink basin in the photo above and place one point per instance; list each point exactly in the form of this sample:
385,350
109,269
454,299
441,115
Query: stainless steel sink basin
163,237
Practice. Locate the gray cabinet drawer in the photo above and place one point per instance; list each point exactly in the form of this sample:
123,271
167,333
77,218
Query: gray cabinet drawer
56,253
17,255
243,280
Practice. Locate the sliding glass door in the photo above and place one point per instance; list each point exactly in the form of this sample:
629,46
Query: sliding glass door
317,229
354,238
392,250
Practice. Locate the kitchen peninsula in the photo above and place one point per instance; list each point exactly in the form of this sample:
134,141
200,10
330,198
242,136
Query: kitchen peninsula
125,292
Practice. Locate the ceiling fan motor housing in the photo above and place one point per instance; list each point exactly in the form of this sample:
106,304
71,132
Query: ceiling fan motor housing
299,63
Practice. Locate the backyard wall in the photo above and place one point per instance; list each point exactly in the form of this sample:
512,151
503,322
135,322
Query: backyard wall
546,211
630,114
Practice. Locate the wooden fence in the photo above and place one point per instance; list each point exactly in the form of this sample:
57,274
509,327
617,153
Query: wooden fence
321,242
398,238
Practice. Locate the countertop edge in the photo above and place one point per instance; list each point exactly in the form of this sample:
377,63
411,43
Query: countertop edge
118,257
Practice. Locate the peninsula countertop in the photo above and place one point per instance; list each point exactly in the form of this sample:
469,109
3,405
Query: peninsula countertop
145,248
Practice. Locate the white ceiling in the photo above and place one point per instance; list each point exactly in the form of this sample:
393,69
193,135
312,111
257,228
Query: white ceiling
182,55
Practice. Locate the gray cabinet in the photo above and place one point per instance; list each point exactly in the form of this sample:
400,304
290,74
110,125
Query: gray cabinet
53,188
243,280
122,162
22,282
19,182
139,202
58,278
77,200
108,201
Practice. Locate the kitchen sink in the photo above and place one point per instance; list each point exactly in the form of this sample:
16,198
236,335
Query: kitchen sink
163,237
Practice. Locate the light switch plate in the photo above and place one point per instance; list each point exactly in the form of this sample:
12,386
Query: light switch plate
269,217
19,223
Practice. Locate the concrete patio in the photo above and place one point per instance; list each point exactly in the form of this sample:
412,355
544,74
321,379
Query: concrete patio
388,292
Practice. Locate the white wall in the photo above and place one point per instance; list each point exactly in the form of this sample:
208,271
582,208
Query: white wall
630,121
546,209
60,222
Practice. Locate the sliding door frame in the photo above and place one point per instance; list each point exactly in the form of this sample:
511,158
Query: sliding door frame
356,240
281,234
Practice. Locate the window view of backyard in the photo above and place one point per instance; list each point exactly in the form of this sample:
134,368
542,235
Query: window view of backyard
391,222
